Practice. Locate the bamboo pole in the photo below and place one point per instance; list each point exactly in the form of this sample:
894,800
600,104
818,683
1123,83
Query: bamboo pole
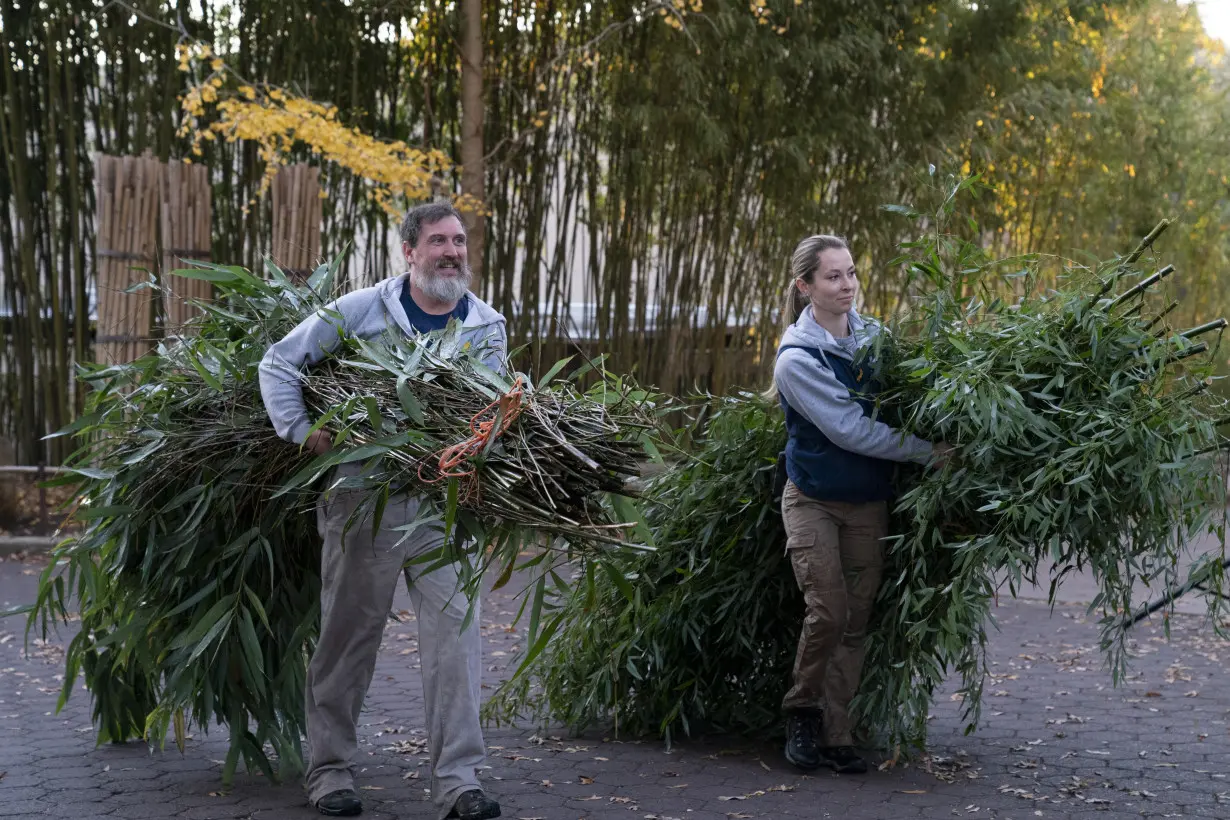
55,365
79,296
24,264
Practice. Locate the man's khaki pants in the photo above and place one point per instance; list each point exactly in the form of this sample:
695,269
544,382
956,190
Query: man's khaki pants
837,555
358,579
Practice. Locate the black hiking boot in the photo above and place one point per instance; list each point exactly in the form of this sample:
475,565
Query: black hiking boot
341,803
474,805
843,760
802,739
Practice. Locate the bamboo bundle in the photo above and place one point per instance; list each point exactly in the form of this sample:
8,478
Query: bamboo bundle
199,544
296,219
1084,435
127,198
185,235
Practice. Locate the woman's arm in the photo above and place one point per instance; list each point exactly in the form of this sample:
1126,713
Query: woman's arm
814,391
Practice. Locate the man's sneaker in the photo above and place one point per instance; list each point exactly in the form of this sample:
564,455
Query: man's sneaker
843,759
802,744
474,805
341,803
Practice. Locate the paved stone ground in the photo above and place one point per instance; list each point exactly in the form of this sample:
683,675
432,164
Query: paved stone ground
1057,740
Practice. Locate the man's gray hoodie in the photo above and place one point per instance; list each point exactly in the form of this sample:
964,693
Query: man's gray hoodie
365,314
812,390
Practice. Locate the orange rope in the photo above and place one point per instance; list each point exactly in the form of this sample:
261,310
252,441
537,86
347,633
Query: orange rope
506,408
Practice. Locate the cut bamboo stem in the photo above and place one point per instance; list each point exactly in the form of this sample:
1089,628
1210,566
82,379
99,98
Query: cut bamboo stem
1194,350
1141,286
1216,324
1147,242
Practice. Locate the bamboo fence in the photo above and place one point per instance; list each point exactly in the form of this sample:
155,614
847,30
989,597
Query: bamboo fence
127,201
296,218
185,235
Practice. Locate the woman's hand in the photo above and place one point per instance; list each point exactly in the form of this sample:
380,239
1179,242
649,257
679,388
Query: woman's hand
941,453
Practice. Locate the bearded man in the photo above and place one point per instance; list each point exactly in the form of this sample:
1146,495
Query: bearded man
359,567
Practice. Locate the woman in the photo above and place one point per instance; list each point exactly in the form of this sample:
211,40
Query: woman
839,464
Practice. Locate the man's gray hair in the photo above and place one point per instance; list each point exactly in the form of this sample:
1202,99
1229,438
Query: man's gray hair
428,214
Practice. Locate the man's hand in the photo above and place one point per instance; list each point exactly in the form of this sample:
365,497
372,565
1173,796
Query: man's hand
319,443
941,453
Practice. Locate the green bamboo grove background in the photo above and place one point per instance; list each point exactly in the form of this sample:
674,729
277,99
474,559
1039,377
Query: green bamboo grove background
659,173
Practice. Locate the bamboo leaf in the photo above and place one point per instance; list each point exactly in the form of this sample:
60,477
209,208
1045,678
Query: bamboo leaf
409,404
553,372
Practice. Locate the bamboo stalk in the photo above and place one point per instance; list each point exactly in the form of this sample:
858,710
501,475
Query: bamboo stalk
57,376
26,283
1141,286
1162,315
1194,350
1216,324
1147,242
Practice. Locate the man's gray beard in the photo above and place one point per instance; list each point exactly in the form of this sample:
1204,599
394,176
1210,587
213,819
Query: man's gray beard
443,288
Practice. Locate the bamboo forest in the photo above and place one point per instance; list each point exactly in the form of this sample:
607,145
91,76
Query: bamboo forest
638,171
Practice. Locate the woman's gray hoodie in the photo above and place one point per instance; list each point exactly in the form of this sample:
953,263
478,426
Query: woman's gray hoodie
365,314
813,390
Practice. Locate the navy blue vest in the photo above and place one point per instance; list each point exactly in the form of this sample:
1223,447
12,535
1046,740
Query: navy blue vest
817,466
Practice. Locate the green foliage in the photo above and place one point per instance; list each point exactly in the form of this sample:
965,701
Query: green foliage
697,633
198,597
196,576
1082,424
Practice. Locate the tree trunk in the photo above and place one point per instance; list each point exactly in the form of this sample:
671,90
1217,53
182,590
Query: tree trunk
472,170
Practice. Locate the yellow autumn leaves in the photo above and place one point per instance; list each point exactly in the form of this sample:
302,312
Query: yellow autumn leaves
280,123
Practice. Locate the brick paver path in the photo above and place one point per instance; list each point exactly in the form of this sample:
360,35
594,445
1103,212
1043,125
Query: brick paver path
1057,740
